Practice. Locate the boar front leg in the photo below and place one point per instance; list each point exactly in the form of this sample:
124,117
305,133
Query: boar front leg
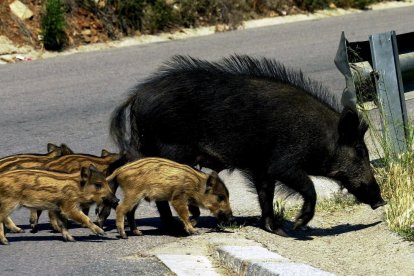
75,214
300,182
180,204
265,191
11,226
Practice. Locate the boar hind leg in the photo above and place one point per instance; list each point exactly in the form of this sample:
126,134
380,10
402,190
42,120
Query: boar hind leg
75,214
11,226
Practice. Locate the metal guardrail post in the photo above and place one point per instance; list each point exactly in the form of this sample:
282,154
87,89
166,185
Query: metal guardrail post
390,92
381,70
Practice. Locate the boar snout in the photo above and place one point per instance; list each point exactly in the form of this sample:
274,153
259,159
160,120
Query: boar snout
225,218
380,203
111,201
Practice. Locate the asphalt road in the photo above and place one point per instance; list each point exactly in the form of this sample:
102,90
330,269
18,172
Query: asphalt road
69,100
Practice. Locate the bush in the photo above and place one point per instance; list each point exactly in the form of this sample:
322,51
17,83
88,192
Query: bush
151,16
159,16
53,26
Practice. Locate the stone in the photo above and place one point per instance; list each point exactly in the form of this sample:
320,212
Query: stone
6,46
21,10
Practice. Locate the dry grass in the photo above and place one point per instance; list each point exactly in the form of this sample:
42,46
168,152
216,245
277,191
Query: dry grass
396,180
395,175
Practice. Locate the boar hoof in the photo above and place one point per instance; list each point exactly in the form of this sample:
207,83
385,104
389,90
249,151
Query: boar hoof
136,232
4,241
123,236
299,224
193,222
99,223
191,231
17,230
69,238
280,232
98,231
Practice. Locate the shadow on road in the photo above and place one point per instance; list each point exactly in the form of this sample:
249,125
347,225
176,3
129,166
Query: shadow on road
39,237
309,233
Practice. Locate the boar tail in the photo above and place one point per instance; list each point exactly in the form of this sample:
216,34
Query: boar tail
118,126
112,176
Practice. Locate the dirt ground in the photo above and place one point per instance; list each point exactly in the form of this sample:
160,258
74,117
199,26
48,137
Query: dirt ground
354,241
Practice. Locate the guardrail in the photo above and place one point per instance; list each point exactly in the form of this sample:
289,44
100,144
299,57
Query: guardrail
381,70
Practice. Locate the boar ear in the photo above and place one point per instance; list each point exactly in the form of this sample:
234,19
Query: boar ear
51,147
348,127
84,175
105,153
211,180
65,149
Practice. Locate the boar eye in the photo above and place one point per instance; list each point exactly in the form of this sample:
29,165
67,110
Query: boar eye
98,186
221,198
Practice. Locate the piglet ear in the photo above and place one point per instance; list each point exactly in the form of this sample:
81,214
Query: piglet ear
51,147
349,126
211,180
65,149
105,153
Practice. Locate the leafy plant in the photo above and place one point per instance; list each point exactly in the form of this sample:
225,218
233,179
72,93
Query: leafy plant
53,25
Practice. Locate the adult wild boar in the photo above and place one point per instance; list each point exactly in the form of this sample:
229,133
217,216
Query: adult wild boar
251,114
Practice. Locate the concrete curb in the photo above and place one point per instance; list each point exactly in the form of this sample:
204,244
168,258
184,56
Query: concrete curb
257,260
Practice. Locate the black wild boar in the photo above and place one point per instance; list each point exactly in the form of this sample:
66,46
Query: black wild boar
251,114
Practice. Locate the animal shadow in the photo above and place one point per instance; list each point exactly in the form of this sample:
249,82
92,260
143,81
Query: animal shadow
310,232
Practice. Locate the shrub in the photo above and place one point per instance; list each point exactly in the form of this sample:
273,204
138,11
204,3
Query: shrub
158,16
53,26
